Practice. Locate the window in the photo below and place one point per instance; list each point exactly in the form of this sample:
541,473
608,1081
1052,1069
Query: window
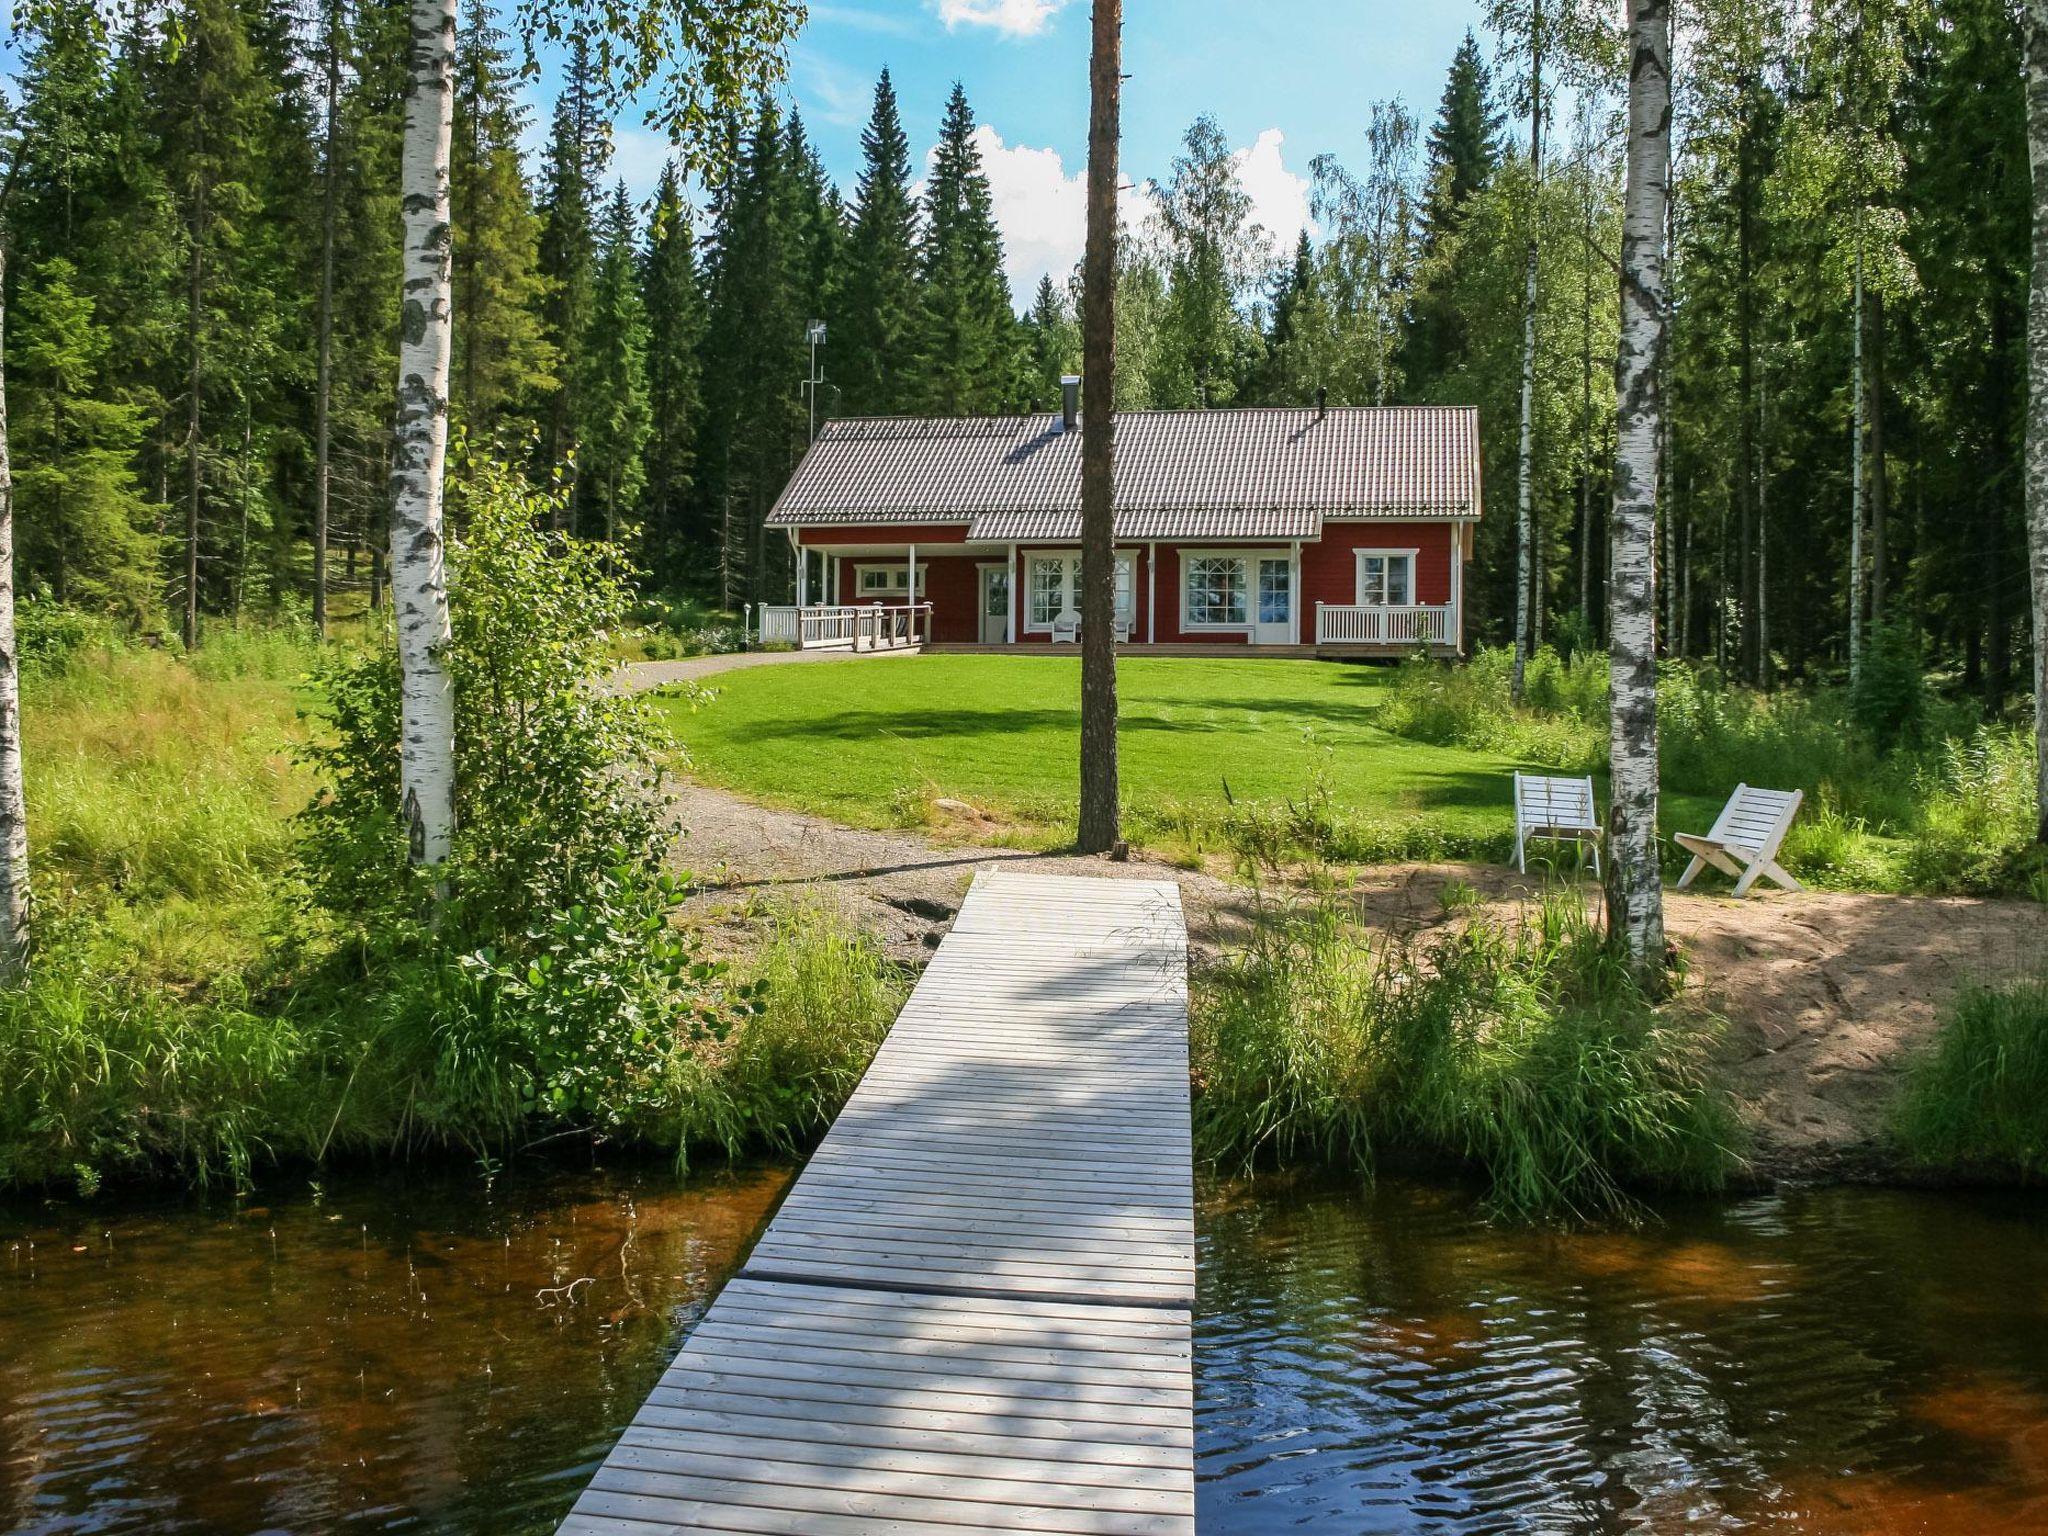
1049,588
1386,577
885,580
1055,586
1276,586
1214,590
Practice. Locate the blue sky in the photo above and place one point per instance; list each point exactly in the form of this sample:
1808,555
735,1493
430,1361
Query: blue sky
1286,79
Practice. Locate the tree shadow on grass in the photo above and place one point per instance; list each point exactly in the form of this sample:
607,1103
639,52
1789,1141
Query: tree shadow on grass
933,724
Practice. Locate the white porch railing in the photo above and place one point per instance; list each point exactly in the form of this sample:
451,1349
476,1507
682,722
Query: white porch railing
1364,624
846,627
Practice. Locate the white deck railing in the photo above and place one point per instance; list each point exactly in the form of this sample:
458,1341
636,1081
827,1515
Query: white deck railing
847,627
1365,624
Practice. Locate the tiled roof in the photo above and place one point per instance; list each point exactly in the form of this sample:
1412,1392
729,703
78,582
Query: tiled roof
1179,474
1142,523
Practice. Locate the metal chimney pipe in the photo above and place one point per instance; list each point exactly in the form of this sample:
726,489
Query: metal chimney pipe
1322,401
1070,402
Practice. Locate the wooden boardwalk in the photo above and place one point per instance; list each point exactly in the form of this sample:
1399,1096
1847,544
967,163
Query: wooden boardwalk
971,1311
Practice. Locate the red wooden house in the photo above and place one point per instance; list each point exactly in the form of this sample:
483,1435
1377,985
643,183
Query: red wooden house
1328,531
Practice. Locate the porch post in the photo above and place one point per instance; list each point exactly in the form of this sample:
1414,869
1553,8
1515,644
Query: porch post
1294,592
1152,593
910,580
803,577
1458,587
1013,623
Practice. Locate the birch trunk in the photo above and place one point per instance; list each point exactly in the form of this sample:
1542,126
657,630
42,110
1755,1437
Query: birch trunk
1525,482
2037,387
1856,472
1099,830
419,585
13,802
1635,897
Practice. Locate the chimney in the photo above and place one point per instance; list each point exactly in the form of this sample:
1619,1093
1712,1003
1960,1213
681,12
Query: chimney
1070,401
1322,402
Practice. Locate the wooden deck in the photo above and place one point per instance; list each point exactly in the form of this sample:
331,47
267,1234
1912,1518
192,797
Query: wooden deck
972,1310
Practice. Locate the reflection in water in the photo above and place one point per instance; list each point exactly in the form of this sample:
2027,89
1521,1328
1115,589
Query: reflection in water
1846,1361
430,1355
378,1355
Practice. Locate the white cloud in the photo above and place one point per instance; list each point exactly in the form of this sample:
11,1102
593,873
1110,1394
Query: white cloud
1012,18
1043,212
1279,197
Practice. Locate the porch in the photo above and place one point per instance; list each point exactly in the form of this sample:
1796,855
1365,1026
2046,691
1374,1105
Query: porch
1364,590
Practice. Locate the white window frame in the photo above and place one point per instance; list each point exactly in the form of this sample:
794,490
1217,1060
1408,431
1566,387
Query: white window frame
1251,559
1070,585
897,583
1358,559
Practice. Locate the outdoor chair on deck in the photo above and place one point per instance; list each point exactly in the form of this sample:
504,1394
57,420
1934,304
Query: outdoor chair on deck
1750,829
1560,810
1066,627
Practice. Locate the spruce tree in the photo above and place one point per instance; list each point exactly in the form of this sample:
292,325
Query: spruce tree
754,356
1464,149
673,297
576,156
612,411
1051,347
504,367
875,330
968,357
84,529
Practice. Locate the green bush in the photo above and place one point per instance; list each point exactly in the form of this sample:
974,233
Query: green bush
1525,1051
1978,1101
1903,791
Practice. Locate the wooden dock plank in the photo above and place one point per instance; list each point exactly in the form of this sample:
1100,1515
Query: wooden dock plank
971,1311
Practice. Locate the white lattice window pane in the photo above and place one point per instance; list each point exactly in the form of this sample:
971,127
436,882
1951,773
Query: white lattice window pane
1048,589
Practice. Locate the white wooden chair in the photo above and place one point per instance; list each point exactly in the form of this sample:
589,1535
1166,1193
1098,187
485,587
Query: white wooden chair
1560,810
1066,627
1122,626
1745,840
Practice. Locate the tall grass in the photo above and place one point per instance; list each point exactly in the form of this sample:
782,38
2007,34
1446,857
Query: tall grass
1525,1051
1977,1102
1948,807
191,1014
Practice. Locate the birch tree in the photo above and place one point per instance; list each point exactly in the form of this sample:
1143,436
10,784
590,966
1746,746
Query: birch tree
709,57
2036,25
13,803
1635,896
1099,831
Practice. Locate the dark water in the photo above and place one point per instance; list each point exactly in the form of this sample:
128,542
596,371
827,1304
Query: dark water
438,1355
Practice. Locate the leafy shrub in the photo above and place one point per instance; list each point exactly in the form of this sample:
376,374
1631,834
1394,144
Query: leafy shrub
1978,1101
49,636
1526,1051
1889,696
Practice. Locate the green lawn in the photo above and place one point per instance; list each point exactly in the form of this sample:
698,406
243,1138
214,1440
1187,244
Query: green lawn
871,743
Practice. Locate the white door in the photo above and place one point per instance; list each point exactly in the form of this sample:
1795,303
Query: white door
995,605
1275,619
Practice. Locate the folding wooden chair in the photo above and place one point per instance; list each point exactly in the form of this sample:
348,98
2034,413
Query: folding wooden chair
1560,810
1746,838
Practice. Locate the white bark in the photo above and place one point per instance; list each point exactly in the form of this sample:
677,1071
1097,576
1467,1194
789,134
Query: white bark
1634,889
13,802
1856,470
2037,387
419,586
1525,490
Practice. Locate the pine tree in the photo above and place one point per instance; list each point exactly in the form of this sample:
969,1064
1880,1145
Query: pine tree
84,528
874,331
968,357
612,411
504,366
673,298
